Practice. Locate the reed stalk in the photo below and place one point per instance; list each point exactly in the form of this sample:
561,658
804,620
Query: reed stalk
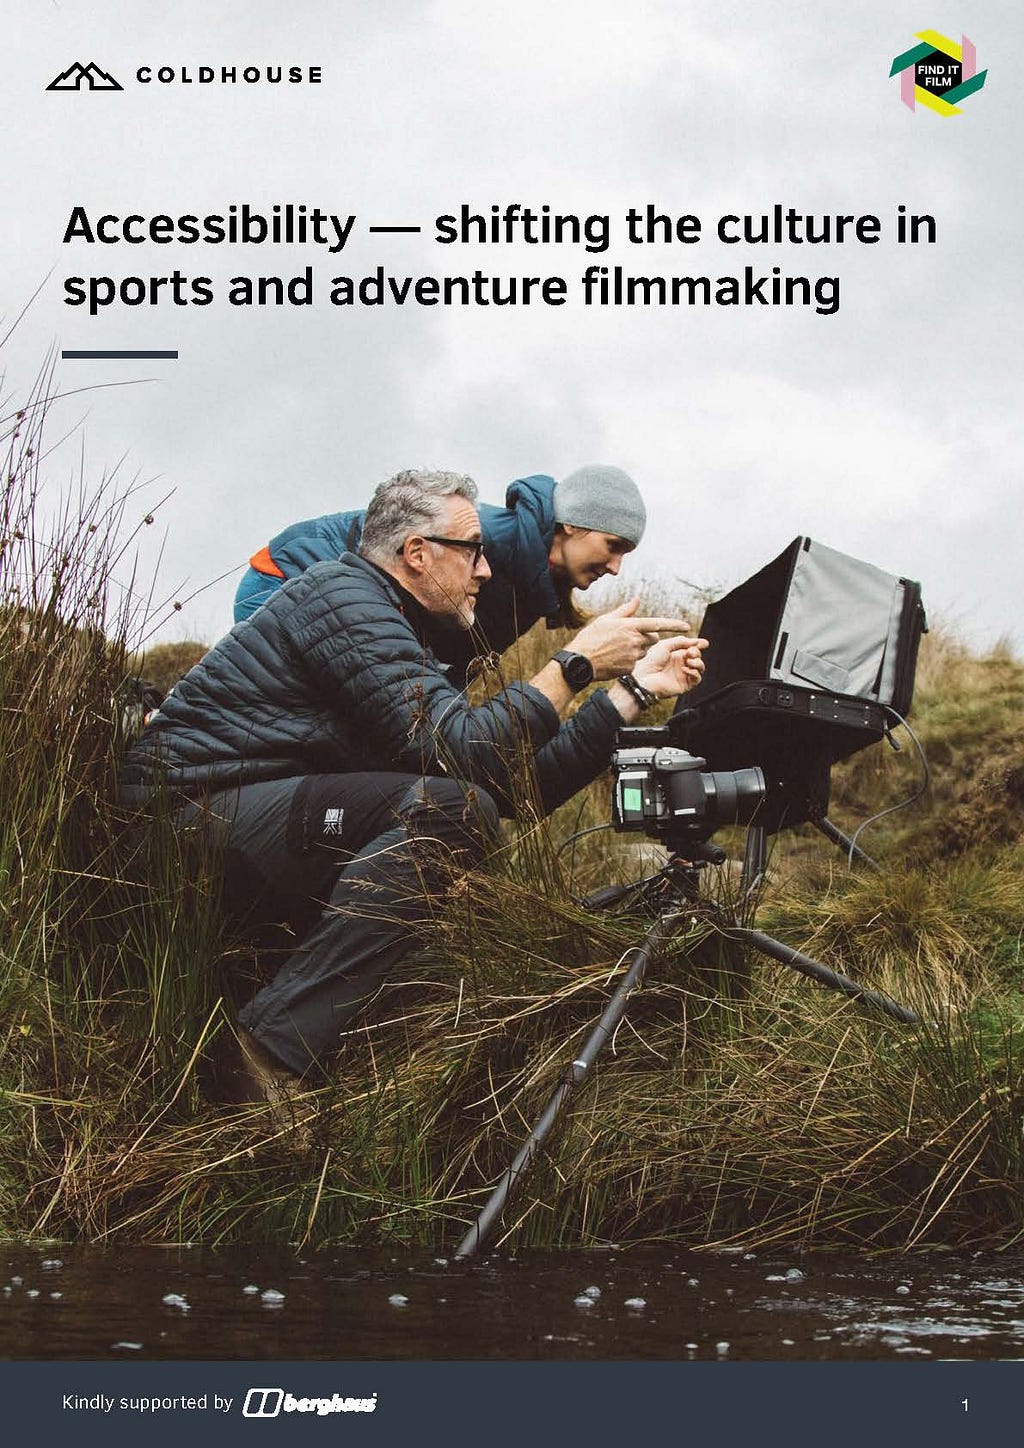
738,1103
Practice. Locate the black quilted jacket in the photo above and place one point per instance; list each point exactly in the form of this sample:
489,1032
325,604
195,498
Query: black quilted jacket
330,676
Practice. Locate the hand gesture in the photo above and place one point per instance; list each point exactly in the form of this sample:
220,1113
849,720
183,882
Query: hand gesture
672,666
614,641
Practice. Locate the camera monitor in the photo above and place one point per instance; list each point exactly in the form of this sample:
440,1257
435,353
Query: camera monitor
810,660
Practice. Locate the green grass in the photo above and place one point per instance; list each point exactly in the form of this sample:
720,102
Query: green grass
738,1102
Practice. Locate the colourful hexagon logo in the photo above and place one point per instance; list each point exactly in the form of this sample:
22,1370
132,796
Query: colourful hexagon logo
938,73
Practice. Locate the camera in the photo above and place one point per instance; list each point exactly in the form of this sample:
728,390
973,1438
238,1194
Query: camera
670,794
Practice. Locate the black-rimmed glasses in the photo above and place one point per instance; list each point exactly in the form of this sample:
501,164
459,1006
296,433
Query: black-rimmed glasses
472,545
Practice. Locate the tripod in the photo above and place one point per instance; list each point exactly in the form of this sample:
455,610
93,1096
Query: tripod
673,893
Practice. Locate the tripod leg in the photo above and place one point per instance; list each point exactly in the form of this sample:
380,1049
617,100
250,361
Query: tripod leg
755,858
830,831
576,1074
806,965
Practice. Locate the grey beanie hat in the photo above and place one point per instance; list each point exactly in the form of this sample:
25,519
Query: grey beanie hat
605,499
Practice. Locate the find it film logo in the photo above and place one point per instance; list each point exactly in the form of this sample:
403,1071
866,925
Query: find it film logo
79,77
938,73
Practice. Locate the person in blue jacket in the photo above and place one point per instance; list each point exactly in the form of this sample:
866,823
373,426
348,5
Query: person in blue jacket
548,539
329,758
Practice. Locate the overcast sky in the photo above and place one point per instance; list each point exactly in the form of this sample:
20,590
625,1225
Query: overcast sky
891,429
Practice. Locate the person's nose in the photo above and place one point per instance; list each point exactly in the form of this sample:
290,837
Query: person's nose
483,568
613,565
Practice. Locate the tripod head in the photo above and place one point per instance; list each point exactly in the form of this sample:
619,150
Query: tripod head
677,880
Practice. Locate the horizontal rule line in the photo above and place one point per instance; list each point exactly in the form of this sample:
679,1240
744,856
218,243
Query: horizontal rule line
74,356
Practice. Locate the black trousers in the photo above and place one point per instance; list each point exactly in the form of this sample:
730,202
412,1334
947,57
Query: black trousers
369,849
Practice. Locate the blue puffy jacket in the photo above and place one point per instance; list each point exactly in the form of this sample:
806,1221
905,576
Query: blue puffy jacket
517,542
333,676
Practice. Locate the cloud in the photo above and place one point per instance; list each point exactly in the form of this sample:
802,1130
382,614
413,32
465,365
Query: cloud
890,428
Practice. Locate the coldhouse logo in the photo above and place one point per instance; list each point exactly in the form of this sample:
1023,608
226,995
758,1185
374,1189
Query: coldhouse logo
79,77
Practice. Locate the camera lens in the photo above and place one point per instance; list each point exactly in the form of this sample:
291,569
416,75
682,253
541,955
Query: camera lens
733,795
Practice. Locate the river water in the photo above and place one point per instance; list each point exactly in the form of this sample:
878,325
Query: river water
634,1303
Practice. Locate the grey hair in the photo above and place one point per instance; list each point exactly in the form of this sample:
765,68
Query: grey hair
410,502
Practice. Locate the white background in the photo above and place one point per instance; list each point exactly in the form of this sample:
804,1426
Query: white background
891,430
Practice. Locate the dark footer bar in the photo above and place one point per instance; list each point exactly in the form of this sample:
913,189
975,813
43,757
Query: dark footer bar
511,1404
116,355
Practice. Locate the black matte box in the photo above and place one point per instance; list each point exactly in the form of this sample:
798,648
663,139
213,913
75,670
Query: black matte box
808,661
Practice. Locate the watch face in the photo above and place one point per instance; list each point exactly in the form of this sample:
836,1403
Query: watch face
577,670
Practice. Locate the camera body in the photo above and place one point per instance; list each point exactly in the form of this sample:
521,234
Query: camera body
671,795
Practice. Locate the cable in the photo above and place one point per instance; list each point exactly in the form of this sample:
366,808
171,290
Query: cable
589,830
903,803
633,887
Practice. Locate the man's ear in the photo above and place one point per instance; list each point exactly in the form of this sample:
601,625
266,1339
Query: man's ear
414,553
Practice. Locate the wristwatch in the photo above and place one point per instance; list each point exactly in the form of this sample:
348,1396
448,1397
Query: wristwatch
577,670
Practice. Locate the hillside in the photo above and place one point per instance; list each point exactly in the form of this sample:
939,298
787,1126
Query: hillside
738,1102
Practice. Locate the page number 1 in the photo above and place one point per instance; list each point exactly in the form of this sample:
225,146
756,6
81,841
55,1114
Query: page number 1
964,1402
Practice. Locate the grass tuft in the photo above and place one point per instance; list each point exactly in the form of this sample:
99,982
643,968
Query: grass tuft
737,1102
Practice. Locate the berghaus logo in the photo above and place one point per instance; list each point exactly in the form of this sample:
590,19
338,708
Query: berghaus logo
270,1402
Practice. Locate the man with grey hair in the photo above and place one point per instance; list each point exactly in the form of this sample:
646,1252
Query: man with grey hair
327,751
412,502
547,539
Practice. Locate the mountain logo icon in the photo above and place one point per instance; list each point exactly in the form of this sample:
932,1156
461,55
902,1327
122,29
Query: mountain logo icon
79,77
